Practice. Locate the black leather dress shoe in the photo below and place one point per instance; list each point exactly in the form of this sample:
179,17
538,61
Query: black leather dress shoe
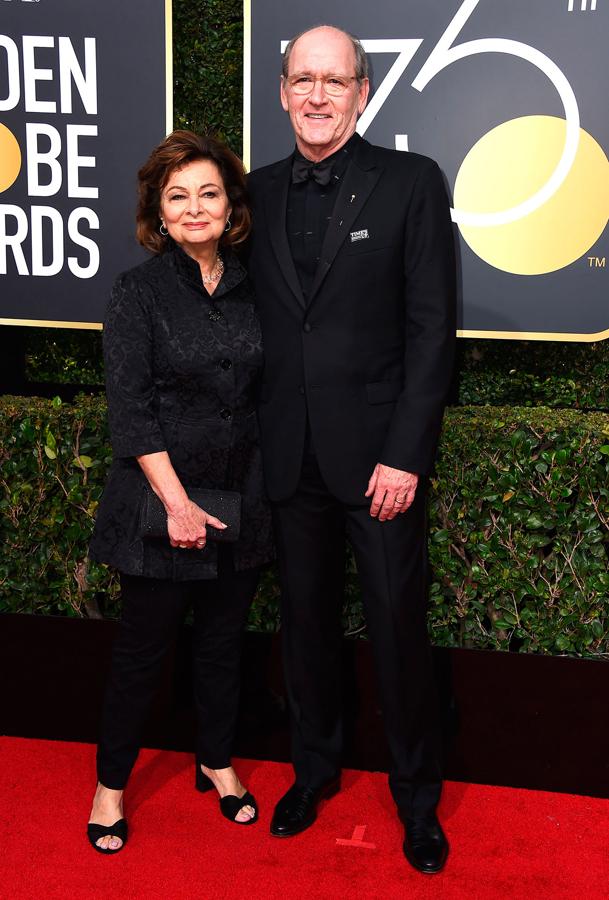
425,845
297,809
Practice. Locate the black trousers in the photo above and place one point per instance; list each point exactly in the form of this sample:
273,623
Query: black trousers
152,610
391,559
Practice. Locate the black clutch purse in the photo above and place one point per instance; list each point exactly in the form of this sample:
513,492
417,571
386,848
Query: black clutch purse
225,505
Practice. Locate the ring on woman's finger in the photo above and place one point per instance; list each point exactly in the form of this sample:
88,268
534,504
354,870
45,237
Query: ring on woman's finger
182,546
201,543
398,501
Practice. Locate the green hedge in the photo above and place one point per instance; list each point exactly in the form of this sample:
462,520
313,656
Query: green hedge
534,373
208,67
519,513
519,544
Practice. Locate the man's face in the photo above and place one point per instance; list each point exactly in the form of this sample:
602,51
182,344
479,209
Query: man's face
323,123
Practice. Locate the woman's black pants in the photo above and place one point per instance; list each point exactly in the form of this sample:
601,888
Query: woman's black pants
152,610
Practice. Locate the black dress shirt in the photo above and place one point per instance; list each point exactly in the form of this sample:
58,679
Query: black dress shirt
310,207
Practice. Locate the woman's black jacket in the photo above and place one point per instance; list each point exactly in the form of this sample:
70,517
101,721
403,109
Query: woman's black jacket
182,372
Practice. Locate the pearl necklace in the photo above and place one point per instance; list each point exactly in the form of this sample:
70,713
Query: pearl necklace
216,273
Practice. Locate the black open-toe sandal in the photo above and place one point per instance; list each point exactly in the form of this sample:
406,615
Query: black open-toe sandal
95,832
230,806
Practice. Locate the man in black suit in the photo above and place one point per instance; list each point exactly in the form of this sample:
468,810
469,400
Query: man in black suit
352,260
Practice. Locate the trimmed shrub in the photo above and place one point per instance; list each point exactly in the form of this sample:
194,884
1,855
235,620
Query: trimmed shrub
519,514
208,67
519,541
533,373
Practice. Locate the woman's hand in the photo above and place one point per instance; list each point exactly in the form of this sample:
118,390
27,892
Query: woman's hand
187,527
186,522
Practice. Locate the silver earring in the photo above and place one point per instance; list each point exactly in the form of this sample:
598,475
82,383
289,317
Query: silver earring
228,225
164,233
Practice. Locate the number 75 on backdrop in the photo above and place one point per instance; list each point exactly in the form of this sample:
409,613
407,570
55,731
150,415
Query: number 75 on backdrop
509,98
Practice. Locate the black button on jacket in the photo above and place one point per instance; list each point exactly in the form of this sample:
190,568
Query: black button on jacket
166,345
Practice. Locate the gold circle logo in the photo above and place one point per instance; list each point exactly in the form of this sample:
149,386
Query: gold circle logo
508,165
10,158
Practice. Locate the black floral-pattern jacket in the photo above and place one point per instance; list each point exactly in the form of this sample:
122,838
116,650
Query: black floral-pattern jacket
182,372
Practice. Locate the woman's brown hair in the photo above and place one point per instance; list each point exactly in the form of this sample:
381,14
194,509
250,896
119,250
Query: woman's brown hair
177,150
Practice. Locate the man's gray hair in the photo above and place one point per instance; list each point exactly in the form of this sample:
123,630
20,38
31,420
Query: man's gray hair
361,60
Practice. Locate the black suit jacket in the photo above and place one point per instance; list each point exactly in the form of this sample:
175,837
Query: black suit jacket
370,357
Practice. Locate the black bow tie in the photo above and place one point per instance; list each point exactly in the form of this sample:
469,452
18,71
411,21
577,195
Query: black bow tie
320,172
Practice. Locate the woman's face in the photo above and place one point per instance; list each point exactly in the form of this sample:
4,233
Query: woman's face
194,205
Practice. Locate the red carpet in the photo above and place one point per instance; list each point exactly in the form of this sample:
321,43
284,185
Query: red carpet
505,843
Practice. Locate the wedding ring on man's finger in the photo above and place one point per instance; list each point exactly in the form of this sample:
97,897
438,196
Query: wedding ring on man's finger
398,501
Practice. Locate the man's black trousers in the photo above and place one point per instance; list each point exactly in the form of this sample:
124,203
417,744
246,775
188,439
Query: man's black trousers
152,610
391,559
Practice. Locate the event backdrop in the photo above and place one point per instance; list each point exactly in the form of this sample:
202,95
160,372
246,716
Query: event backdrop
510,99
85,93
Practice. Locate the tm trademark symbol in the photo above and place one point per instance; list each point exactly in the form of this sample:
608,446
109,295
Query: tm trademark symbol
596,262
583,5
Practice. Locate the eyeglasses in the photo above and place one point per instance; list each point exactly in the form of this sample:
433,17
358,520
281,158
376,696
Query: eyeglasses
333,85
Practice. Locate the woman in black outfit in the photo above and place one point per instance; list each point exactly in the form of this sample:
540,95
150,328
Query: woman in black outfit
183,354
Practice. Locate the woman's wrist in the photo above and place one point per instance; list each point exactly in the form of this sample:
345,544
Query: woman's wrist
176,503
165,483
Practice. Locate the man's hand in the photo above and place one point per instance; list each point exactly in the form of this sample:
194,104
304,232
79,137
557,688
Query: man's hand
393,491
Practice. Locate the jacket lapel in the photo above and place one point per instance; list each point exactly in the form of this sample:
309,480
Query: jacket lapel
357,185
276,206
